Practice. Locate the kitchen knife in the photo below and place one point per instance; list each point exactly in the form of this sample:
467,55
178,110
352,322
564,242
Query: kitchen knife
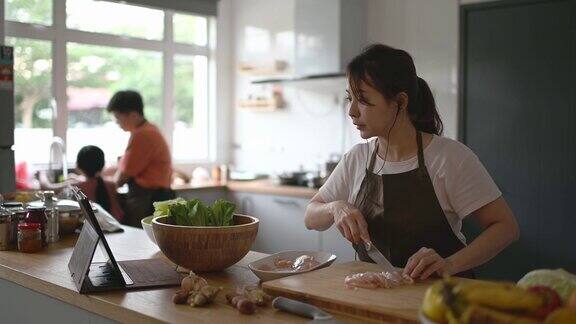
305,310
378,257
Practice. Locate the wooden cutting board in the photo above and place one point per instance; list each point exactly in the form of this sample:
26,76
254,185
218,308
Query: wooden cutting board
325,288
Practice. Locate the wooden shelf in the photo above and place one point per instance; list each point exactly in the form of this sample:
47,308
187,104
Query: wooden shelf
270,104
277,68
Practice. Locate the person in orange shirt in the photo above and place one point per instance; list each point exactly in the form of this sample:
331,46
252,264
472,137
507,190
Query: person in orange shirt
146,165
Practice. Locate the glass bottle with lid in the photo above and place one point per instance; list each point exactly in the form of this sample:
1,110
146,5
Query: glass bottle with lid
5,229
17,208
37,214
29,237
18,215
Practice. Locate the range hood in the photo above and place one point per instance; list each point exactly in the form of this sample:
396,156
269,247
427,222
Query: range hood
328,34
311,77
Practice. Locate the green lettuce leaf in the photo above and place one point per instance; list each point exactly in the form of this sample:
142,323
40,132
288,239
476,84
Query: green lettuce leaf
198,213
179,214
223,212
161,207
195,213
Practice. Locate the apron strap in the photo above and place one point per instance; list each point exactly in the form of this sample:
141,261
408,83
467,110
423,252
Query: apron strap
421,163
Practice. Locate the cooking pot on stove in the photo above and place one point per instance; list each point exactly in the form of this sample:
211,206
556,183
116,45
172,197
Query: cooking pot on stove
294,178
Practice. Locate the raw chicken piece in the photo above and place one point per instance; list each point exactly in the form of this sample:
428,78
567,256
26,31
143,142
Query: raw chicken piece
301,263
282,264
373,280
304,262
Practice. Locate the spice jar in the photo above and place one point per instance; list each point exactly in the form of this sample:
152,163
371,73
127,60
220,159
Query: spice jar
29,237
52,218
224,174
5,229
216,175
17,210
37,214
18,215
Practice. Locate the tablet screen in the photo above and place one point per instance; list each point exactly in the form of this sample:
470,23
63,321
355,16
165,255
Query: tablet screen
93,222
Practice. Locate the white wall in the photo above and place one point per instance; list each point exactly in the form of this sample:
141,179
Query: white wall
221,121
311,127
428,30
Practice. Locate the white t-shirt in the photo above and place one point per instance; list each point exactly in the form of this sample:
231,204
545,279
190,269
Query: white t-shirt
460,181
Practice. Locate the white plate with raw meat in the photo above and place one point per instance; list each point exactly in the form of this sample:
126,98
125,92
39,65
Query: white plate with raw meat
288,263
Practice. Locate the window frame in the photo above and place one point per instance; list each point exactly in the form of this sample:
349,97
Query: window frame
59,35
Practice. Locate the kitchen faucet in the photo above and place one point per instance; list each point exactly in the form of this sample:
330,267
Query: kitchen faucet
60,148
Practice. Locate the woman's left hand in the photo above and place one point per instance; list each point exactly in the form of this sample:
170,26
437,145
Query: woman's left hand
426,262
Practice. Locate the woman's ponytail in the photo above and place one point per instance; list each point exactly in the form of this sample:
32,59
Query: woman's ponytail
425,115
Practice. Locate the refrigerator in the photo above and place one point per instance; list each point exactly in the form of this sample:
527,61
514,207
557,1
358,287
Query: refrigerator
7,174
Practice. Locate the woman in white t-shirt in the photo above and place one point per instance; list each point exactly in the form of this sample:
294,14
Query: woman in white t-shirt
407,189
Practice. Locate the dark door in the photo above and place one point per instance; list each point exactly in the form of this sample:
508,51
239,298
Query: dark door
518,113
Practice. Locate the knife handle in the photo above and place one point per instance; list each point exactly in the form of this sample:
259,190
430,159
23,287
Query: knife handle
299,308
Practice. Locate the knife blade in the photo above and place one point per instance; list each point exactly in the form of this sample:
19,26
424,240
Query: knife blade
378,257
305,310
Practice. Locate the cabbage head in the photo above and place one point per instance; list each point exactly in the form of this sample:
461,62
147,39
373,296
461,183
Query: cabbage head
560,280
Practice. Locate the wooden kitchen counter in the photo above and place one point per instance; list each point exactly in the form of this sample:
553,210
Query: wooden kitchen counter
47,273
265,187
206,185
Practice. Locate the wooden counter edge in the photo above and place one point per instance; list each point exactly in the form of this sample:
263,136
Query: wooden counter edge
89,303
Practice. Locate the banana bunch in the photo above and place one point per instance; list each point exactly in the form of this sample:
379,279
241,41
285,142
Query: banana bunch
501,296
469,302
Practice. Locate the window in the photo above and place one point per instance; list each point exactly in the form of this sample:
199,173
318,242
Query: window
64,80
32,97
190,29
190,108
29,11
119,19
95,73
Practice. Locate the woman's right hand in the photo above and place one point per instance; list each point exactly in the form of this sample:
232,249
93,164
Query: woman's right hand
349,221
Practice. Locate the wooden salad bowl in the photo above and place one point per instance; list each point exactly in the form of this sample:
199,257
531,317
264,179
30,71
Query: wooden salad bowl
206,248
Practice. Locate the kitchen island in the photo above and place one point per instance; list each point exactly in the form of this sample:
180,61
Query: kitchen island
38,287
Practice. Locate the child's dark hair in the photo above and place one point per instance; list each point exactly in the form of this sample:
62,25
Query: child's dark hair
125,102
391,71
90,160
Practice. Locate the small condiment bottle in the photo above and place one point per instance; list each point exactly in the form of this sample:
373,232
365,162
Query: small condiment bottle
17,210
216,174
37,214
224,174
52,217
18,215
5,229
29,237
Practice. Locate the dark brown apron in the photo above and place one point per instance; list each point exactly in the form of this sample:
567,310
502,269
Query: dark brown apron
404,215
139,202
